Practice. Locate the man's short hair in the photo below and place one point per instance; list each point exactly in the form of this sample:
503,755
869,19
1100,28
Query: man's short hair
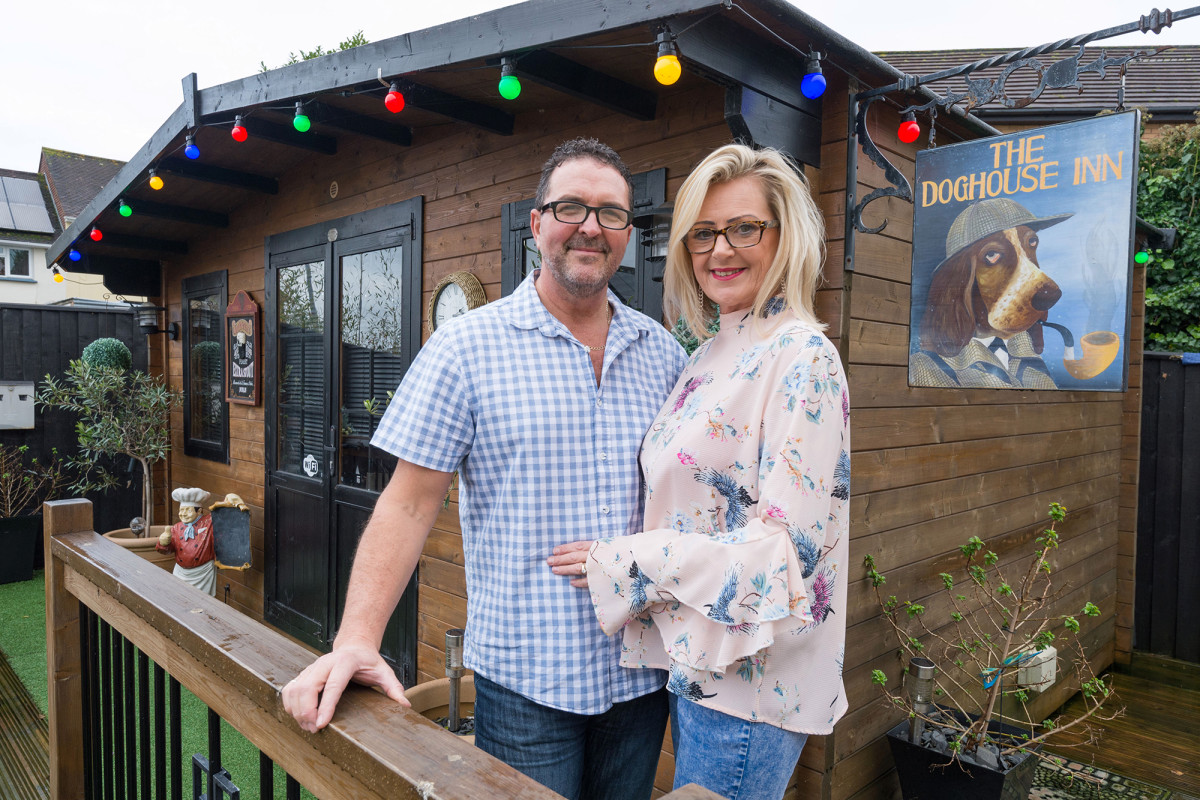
581,148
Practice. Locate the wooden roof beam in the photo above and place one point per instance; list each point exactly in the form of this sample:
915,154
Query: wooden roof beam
456,108
584,83
195,216
287,135
346,120
219,175
126,241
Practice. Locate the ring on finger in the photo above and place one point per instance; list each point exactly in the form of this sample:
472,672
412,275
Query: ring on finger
583,568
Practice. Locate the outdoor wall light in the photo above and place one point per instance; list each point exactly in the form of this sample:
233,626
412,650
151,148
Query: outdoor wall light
239,132
147,319
189,147
510,84
655,226
666,67
813,84
394,100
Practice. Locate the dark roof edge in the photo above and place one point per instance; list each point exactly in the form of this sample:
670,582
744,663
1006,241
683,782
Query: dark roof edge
849,48
499,32
141,160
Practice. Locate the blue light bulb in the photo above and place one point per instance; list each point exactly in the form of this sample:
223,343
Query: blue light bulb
190,150
74,254
812,85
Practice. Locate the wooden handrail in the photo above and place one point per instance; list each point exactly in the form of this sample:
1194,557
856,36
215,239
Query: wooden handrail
237,666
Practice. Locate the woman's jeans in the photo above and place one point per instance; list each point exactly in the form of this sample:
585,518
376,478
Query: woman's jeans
736,758
609,756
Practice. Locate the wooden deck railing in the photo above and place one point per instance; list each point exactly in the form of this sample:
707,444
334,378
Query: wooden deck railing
237,666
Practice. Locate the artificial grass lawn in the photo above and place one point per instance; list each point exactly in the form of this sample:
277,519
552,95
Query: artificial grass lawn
23,642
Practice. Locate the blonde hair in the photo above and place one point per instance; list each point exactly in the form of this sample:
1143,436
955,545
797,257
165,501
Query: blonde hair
797,265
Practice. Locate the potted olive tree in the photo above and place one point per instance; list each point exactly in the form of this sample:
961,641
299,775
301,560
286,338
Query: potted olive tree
970,679
25,483
121,412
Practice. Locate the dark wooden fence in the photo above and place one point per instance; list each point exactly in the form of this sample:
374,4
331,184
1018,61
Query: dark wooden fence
40,340
1168,537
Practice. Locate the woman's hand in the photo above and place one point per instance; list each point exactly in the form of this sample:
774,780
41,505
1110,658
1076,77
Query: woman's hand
571,560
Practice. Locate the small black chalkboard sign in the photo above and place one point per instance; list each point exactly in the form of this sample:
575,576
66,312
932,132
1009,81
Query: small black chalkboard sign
231,533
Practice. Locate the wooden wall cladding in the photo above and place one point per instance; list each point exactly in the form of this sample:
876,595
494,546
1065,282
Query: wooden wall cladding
932,467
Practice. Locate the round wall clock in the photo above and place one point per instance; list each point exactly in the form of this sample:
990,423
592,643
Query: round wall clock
455,295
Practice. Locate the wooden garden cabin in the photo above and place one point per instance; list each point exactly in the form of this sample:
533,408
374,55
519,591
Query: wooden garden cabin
341,234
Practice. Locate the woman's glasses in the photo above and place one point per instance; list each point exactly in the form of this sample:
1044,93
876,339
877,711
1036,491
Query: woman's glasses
746,233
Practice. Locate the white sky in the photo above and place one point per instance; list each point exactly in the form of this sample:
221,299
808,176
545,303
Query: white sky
99,78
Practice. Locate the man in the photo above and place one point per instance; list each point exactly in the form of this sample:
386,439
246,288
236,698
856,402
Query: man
540,401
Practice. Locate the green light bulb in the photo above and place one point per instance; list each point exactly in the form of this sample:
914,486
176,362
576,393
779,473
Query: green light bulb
125,210
301,123
1141,257
510,87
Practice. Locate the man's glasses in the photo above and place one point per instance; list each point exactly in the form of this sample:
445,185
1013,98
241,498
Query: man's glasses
572,213
740,234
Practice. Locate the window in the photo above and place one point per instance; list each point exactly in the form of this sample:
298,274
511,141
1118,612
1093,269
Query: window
638,281
14,262
205,412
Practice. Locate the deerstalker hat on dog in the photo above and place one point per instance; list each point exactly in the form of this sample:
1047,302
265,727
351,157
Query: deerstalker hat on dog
981,220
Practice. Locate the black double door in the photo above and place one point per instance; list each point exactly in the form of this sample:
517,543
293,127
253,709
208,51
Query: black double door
342,324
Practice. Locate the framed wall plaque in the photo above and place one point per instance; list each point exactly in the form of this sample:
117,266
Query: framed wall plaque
242,327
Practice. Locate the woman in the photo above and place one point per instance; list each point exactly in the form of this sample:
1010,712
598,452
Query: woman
738,583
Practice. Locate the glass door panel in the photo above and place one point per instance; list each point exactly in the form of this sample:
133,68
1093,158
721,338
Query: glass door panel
372,361
303,373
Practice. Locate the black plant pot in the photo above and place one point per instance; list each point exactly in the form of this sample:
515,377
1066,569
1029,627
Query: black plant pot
19,538
925,776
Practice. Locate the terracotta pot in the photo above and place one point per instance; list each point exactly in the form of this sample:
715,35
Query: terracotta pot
144,545
432,700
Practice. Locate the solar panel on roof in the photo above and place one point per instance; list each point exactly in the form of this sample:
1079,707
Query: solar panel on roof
22,207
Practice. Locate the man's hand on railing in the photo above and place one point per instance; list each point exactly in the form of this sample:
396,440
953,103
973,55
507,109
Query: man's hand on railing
312,696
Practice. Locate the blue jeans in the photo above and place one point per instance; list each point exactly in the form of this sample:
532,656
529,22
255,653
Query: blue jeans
609,756
736,758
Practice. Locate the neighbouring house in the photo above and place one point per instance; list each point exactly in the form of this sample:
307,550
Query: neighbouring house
327,246
27,227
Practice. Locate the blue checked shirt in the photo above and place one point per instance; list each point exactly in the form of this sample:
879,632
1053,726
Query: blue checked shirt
507,396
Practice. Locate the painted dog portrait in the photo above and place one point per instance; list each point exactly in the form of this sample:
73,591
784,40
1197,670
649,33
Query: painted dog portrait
987,301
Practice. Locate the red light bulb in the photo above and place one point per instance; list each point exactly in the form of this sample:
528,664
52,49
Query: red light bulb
909,131
394,100
239,132
96,235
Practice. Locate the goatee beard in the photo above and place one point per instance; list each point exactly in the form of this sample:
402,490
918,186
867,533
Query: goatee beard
577,282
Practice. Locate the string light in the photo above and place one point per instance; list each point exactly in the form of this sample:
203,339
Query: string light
239,132
96,235
301,122
510,84
666,67
1141,257
394,100
189,147
58,276
74,254
909,129
124,210
813,84
156,182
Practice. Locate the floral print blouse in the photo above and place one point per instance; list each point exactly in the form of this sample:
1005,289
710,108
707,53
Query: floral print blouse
738,584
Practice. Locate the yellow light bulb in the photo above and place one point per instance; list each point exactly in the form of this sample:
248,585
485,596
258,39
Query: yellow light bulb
667,69
156,183
58,277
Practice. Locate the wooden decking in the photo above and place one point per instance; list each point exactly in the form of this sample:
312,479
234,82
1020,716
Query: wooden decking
1158,738
24,741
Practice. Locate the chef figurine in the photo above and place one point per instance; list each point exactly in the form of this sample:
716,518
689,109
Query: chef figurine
191,540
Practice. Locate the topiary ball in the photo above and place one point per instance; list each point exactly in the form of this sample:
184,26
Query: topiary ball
108,352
